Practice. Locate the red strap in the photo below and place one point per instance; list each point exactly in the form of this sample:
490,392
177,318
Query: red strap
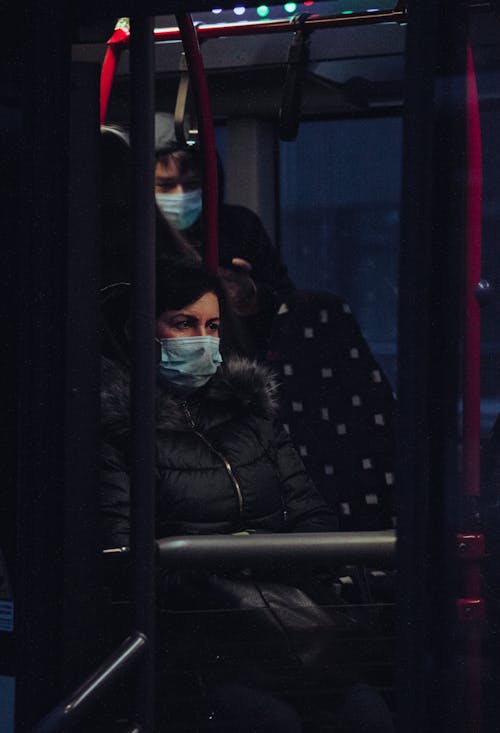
118,41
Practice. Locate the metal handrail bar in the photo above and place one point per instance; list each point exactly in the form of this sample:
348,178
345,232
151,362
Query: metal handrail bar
79,703
258,28
377,549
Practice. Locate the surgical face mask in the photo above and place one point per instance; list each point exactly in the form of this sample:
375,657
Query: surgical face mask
180,209
189,362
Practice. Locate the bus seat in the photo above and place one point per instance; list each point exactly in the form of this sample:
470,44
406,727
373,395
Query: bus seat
337,406
339,410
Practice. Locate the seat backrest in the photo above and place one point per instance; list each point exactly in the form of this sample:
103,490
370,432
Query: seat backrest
337,406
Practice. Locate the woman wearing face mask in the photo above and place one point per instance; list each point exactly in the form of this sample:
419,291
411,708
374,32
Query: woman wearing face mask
224,466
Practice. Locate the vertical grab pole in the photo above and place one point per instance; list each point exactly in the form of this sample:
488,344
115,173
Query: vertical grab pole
207,141
472,343
430,331
413,339
470,544
142,396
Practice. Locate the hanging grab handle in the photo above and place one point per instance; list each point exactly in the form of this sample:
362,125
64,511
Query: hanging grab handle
206,136
183,105
298,58
181,101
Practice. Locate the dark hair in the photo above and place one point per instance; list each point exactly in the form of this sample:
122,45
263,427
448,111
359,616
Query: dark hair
178,286
188,158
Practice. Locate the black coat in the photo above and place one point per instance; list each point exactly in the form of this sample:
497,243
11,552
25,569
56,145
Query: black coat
224,464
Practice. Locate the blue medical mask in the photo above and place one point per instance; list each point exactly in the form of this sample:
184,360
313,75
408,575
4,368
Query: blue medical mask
180,209
189,362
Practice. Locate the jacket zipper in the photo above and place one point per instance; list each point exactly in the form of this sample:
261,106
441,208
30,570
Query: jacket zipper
226,463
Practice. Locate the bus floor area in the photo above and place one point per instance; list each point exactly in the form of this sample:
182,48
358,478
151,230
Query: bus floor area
217,669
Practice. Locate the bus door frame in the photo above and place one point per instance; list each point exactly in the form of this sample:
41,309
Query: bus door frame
437,517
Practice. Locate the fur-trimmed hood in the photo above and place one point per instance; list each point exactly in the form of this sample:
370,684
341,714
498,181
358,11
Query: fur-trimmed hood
239,385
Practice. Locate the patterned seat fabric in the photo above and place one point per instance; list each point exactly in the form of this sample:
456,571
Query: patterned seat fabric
337,406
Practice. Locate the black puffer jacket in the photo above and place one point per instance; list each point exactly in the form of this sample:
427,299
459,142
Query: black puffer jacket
223,462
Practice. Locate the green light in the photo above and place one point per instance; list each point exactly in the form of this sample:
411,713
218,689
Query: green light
347,12
290,7
262,11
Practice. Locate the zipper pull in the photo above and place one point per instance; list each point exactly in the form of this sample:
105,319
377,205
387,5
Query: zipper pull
188,415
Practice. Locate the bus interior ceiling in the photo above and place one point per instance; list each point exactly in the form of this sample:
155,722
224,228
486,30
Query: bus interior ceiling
350,71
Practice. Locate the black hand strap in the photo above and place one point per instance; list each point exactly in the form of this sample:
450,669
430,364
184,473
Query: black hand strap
298,58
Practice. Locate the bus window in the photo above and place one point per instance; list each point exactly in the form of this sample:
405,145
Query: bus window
339,219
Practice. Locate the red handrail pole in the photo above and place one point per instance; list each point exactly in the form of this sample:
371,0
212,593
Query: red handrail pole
107,76
472,336
207,141
118,41
473,603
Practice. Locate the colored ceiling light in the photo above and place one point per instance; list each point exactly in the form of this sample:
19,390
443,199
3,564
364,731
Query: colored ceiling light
308,3
347,12
239,10
262,11
290,7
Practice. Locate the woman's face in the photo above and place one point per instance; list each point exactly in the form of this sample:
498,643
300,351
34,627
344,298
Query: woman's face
201,318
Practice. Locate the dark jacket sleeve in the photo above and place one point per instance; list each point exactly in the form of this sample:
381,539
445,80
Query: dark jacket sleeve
242,234
115,498
305,509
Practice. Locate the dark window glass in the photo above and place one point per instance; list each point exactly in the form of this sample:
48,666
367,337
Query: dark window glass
340,190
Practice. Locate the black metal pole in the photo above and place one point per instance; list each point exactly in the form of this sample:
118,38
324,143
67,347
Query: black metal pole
143,356
413,347
34,321
432,239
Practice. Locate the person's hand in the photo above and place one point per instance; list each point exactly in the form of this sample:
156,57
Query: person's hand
240,287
